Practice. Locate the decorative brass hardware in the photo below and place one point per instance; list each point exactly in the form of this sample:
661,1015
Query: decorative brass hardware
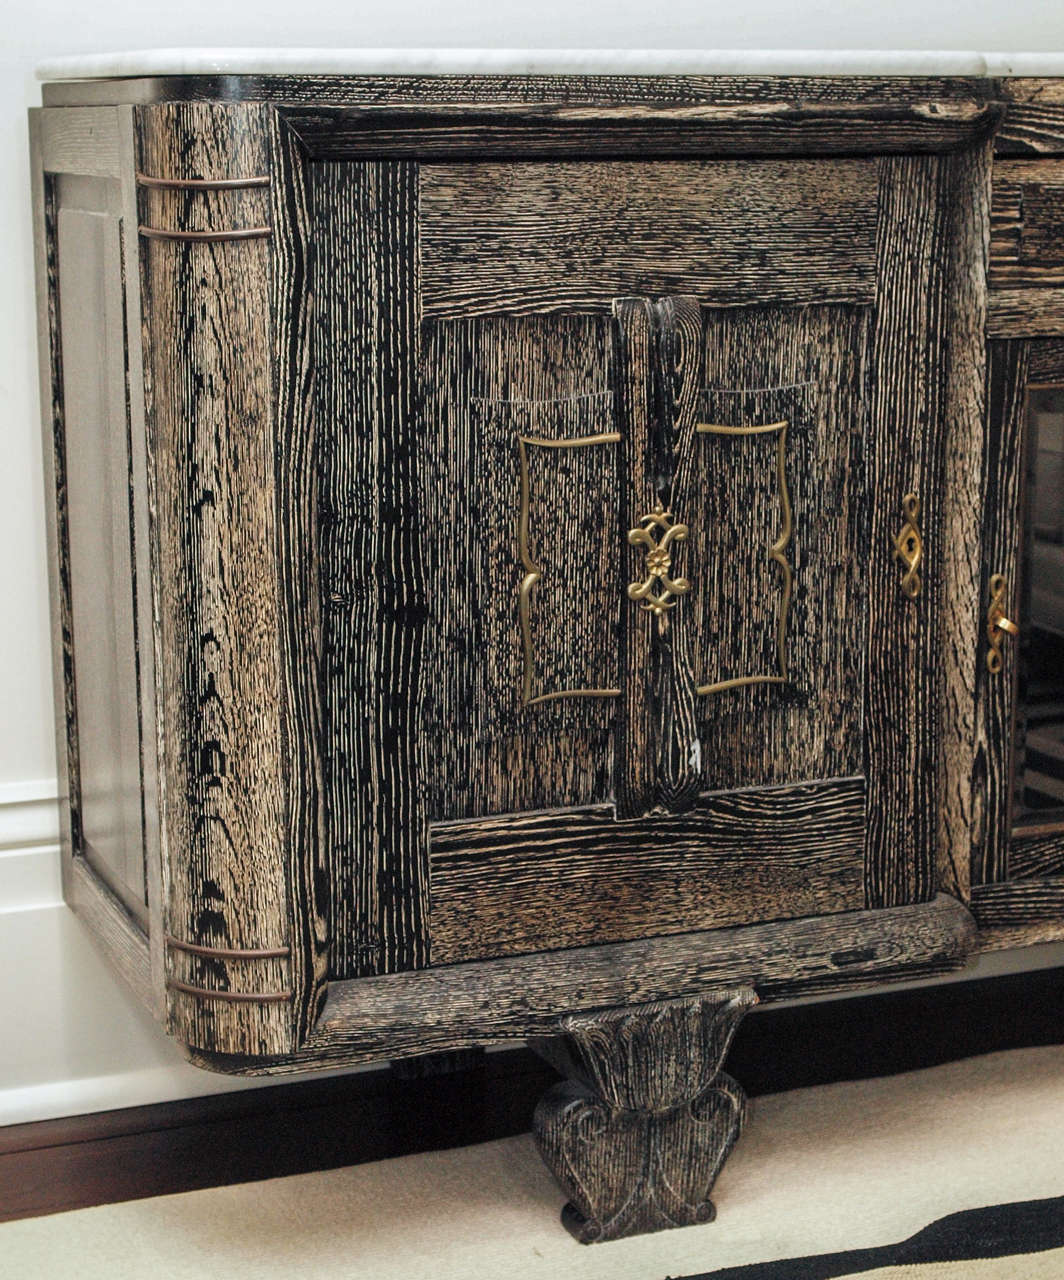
777,551
228,953
996,623
658,562
243,997
205,237
909,546
202,184
533,572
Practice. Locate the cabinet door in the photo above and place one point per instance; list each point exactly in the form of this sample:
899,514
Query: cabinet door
666,438
1018,888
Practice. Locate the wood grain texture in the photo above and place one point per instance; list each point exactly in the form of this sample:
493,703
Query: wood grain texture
1001,542
946,92
81,140
299,565
962,613
486,382
455,1006
1034,118
678,376
769,128
906,455
635,774
565,879
1025,313
209,384
574,235
810,367
658,362
1027,224
1020,904
373,574
1036,853
638,1133
1045,360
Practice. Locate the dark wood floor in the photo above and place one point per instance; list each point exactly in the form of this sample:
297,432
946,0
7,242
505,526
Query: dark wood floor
298,1127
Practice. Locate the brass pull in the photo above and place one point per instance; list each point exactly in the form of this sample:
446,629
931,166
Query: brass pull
909,546
997,623
658,562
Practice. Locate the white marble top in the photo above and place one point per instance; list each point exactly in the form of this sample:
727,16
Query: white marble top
798,62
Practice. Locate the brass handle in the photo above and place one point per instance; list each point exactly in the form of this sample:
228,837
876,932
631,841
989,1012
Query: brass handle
909,546
997,623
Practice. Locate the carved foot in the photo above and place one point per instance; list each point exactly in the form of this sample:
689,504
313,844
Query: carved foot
639,1131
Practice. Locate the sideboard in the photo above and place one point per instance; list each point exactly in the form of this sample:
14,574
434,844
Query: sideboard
553,556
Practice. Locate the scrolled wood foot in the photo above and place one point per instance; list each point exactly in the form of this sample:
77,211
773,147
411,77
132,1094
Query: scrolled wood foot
642,1126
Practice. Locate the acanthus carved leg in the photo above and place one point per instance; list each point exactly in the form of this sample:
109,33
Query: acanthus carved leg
639,1130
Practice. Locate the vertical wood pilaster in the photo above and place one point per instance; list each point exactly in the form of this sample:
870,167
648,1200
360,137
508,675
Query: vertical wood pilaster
906,438
658,362
209,379
372,574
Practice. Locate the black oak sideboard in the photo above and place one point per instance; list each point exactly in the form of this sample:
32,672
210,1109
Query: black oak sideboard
553,557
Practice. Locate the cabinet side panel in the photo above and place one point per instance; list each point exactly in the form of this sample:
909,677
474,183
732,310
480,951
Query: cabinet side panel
210,423
92,332
366,291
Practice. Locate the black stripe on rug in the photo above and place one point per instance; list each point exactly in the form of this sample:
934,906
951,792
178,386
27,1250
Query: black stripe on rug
999,1231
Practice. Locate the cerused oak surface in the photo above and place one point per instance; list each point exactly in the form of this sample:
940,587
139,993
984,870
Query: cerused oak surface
427,289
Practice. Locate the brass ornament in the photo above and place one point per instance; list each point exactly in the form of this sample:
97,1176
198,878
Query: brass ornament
997,624
909,546
658,562
534,572
777,552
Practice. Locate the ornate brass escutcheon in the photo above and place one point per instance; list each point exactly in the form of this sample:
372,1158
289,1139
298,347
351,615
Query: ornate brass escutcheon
658,562
909,546
997,625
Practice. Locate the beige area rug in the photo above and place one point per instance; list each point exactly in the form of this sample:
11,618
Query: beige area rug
819,1170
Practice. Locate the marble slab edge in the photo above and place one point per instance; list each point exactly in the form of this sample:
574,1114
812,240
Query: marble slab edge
626,62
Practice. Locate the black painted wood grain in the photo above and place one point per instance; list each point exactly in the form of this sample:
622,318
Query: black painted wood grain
531,236
933,95
457,1006
635,780
543,881
299,566
1002,544
471,132
810,367
372,572
1036,853
905,455
487,382
209,374
638,1131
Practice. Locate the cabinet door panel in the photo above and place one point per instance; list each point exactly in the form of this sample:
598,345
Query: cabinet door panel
650,524
779,544
492,389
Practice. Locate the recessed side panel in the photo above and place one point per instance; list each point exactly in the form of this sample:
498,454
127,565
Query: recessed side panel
105,672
